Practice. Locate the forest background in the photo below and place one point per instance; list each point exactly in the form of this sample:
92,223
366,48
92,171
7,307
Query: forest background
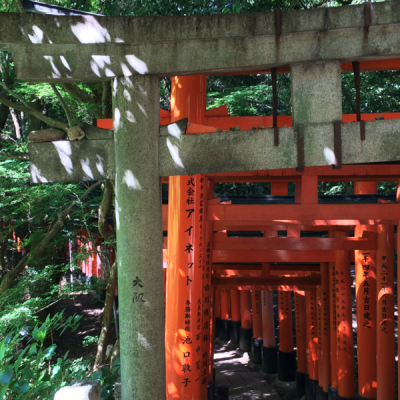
46,217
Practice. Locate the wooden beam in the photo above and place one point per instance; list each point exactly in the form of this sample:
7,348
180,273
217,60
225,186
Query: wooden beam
239,273
312,214
221,242
273,267
278,256
270,283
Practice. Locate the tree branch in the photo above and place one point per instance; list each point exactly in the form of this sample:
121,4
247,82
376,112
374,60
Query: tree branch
55,229
20,7
348,99
61,100
36,113
77,93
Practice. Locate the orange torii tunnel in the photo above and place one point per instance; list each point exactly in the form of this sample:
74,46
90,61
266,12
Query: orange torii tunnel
223,288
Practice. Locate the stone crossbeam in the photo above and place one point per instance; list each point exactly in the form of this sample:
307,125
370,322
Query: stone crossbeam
65,161
90,48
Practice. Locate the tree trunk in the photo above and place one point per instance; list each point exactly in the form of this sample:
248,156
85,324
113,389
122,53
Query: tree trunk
3,248
106,318
107,234
34,124
17,128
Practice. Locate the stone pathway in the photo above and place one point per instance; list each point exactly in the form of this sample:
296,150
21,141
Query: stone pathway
244,384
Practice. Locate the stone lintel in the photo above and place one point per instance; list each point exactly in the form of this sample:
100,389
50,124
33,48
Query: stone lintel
222,152
66,161
101,61
90,29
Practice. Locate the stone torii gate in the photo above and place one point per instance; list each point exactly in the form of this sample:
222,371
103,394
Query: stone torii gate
134,53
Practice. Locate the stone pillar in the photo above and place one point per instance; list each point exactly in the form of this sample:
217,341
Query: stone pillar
139,237
316,93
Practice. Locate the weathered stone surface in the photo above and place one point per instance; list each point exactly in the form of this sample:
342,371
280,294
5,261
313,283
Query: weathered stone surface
222,152
227,151
176,129
46,135
80,390
316,92
117,390
138,208
66,161
93,48
94,133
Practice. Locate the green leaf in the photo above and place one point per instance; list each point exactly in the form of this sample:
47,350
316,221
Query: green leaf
24,387
3,391
96,375
33,349
19,360
56,370
6,374
47,353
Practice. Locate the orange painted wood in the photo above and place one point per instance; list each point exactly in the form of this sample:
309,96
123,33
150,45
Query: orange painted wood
222,242
398,274
312,334
325,346
225,305
245,309
185,249
301,330
375,65
217,303
333,323
319,330
343,281
235,306
235,272
221,111
268,326
365,269
273,281
280,256
366,172
256,313
321,214
285,322
306,190
385,313
208,290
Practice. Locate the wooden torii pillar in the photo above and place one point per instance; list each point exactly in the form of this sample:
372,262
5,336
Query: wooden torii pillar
184,300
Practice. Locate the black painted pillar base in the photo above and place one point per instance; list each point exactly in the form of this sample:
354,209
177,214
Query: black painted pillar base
211,391
234,332
270,360
256,349
223,392
344,398
311,389
225,330
217,327
323,395
287,365
300,384
245,340
332,393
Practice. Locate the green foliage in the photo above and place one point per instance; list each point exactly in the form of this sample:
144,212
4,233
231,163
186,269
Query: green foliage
89,340
28,366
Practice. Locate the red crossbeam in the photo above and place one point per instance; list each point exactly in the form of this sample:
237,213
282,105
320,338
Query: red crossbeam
222,242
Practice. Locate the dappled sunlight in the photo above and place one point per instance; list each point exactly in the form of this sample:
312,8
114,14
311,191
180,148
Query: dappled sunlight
174,151
137,64
330,156
143,341
100,164
131,181
64,152
90,31
37,36
85,164
36,175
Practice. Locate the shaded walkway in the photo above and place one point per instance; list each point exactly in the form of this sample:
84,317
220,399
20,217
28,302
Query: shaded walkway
244,384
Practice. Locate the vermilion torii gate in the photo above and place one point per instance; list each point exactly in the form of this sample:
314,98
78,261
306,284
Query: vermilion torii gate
133,53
